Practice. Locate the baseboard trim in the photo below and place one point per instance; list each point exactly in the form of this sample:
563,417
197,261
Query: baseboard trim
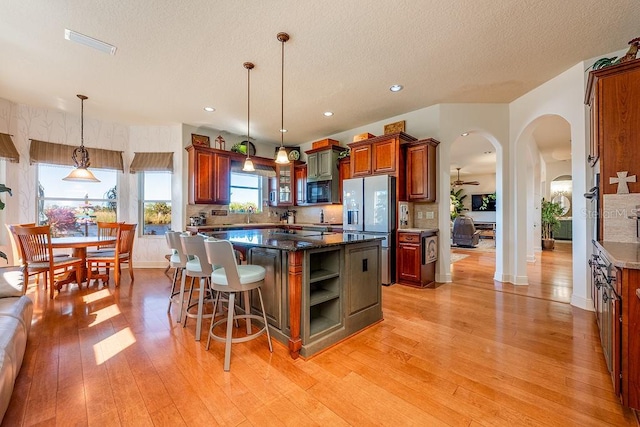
583,303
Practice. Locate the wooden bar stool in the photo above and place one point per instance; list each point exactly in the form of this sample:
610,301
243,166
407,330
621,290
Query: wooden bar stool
232,278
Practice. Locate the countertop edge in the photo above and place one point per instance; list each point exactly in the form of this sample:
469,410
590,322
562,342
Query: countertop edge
621,254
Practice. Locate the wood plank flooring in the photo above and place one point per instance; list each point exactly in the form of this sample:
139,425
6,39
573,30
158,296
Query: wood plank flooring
470,353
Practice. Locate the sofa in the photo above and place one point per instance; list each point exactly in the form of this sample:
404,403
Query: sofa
16,311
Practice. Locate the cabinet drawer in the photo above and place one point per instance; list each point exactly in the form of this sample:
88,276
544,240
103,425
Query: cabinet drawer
408,238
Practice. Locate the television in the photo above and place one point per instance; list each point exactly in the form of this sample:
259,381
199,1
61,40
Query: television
477,201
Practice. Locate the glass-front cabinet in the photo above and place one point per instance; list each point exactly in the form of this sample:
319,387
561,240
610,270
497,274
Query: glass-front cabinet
282,187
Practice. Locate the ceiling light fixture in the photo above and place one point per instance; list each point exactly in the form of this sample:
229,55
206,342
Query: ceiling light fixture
89,41
209,109
282,157
80,155
248,164
464,134
396,88
328,113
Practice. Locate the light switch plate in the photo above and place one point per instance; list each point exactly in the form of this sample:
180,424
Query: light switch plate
419,214
429,215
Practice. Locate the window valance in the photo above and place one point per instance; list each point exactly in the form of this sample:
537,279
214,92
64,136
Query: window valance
8,151
60,154
260,169
152,162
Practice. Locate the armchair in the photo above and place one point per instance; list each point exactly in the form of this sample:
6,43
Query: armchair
464,232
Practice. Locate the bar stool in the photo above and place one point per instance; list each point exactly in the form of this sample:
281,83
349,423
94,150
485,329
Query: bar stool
196,267
232,278
178,261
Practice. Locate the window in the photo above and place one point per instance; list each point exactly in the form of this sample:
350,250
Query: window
155,202
246,192
73,208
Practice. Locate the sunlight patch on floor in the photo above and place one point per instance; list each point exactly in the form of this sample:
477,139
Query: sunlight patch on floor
95,296
105,314
111,346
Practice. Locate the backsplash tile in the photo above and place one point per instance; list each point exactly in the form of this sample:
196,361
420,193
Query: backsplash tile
616,210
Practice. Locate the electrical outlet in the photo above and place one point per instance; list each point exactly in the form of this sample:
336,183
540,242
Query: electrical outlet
429,215
419,214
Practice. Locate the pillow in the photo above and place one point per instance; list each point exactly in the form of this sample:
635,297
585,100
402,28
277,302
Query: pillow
11,282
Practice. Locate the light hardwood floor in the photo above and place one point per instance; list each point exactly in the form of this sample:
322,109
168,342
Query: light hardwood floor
468,353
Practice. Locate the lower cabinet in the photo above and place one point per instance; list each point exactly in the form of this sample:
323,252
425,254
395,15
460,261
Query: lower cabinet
272,289
416,258
325,293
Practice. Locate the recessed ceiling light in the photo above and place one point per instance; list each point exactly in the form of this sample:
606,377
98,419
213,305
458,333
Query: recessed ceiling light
283,130
396,88
465,134
89,41
488,152
328,113
209,109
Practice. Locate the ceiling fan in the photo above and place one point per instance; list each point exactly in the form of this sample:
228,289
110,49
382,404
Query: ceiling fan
459,182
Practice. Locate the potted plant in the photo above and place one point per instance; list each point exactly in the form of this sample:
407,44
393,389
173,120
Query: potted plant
549,213
456,202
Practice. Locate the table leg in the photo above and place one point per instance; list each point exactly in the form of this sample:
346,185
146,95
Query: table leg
82,271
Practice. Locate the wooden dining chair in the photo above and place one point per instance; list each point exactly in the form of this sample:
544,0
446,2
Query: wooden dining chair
106,230
37,255
122,254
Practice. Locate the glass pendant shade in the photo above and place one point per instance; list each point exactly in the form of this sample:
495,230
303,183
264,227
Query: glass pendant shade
282,158
248,165
80,155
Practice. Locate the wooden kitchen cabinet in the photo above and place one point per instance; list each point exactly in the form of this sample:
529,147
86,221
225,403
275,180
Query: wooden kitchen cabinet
322,163
209,176
282,188
344,172
416,258
360,160
627,338
612,95
421,170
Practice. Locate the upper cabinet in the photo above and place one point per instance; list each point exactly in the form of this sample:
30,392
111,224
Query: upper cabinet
282,188
209,176
612,94
300,172
344,172
322,163
380,155
421,170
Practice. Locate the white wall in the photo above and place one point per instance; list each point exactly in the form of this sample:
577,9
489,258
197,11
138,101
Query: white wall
562,96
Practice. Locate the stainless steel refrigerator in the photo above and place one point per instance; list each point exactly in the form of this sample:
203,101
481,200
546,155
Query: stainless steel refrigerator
369,208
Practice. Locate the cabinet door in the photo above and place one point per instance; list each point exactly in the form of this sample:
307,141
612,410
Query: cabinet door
203,177
361,161
271,260
312,166
344,172
301,184
286,185
363,279
222,180
325,164
384,156
421,174
409,259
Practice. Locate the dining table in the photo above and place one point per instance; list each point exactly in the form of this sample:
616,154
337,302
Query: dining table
79,245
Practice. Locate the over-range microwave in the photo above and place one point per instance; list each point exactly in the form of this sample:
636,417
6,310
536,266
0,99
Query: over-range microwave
319,192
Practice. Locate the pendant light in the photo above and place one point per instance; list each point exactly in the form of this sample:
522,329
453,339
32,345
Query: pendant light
282,157
80,155
248,164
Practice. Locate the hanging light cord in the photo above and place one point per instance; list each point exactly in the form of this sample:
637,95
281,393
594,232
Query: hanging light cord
283,40
248,104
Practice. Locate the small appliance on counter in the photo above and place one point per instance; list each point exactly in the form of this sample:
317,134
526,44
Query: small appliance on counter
196,221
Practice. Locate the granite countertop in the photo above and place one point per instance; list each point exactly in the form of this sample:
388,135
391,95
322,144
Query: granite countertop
288,240
419,230
623,255
214,227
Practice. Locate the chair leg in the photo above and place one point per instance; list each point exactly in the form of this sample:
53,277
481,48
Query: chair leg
200,307
227,342
181,298
116,273
52,279
213,318
130,264
173,288
247,310
264,316
193,281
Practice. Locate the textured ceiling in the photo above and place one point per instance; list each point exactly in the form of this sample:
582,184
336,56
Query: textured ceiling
174,58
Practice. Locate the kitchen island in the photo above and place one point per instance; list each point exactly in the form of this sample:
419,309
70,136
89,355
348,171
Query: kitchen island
320,287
